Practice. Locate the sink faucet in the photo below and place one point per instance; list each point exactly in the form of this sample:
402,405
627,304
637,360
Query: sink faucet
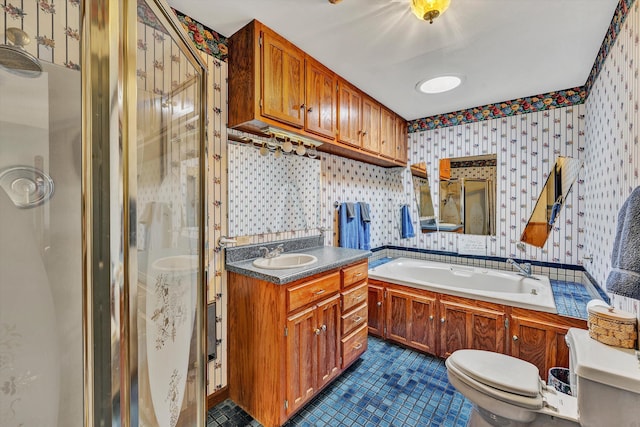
266,253
524,269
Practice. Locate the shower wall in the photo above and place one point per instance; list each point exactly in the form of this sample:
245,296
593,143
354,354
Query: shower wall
41,252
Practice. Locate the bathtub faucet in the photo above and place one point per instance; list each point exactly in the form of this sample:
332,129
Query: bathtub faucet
524,269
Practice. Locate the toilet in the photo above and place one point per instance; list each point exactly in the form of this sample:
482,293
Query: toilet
508,392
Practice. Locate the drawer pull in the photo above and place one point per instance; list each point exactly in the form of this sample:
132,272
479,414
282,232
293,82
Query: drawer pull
358,274
357,346
320,292
357,319
357,297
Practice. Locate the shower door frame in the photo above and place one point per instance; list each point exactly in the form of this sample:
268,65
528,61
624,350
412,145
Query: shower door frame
109,88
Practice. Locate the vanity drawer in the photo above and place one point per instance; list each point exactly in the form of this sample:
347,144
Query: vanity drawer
354,319
312,291
354,274
354,296
353,346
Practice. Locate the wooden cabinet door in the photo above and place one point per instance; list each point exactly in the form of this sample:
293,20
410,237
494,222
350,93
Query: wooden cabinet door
349,112
301,356
320,99
328,335
282,80
463,324
387,134
370,135
401,139
376,310
410,319
422,334
538,338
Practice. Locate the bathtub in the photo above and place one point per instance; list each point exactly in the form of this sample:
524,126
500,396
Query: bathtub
484,284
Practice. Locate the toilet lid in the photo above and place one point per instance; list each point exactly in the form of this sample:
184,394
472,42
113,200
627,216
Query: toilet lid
498,371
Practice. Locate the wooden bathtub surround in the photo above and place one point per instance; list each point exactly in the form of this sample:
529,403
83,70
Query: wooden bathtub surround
440,324
274,83
287,342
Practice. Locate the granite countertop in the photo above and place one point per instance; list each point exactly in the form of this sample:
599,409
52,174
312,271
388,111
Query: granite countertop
329,258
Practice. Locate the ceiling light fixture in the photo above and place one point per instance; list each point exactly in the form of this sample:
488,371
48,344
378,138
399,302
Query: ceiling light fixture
439,84
429,9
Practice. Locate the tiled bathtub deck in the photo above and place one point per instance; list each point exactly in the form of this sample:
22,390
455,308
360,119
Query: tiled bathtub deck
388,386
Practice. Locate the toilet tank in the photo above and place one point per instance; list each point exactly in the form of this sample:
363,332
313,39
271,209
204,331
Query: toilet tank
606,381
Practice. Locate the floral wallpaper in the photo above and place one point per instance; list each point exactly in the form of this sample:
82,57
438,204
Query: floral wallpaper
612,148
53,27
271,194
204,38
526,146
530,104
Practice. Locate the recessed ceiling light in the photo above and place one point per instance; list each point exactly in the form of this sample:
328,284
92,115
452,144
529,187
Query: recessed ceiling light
439,84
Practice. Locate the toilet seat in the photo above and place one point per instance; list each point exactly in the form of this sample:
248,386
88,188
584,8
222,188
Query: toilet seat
505,378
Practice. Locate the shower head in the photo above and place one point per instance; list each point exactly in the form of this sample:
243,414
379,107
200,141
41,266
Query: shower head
15,59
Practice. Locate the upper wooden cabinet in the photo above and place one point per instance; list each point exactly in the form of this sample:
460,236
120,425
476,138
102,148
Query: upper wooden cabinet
401,139
272,83
388,134
349,114
282,79
320,99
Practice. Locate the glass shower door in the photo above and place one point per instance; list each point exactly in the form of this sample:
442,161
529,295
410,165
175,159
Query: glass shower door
168,182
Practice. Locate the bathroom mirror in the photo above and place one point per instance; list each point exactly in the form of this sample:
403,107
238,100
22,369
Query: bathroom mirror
550,202
271,193
466,195
426,213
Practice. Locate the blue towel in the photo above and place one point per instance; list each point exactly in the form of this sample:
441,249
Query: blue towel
349,227
364,234
555,210
407,224
624,277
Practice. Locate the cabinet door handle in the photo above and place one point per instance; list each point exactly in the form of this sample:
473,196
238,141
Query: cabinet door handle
515,338
442,320
320,292
317,331
379,304
323,328
310,110
357,319
364,132
431,317
358,346
302,107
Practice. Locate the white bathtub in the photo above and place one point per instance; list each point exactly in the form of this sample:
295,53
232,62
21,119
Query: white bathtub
484,284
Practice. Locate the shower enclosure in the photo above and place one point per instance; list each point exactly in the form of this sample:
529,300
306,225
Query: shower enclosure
101,216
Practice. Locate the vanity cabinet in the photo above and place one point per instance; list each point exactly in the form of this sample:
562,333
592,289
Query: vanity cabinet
440,324
538,338
272,83
466,323
287,342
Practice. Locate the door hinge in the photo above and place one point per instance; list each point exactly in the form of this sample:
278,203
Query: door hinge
506,323
340,361
286,331
286,404
260,102
260,40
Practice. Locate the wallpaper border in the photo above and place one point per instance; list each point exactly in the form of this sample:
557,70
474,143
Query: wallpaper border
204,38
530,104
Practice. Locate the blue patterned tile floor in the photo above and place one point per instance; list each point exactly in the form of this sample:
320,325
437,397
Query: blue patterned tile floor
388,386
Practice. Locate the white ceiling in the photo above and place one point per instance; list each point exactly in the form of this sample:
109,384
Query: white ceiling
505,49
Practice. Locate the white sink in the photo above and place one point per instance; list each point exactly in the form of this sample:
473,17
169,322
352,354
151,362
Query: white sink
285,261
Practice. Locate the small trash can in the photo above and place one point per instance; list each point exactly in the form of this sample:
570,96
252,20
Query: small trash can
559,380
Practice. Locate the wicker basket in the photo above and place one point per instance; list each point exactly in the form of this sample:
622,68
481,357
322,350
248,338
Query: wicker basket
612,327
